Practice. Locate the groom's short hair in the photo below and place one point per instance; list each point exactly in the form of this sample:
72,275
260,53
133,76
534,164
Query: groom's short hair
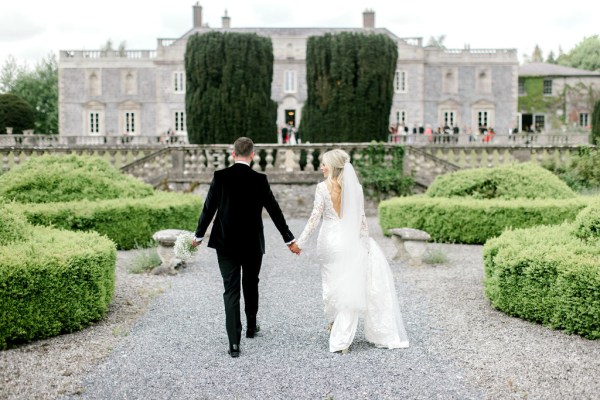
243,147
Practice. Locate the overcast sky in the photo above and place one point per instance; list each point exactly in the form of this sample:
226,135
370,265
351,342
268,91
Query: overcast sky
30,29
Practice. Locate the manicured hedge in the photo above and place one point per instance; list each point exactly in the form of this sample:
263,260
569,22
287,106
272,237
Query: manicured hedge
47,179
587,224
464,220
127,222
13,227
54,281
507,182
546,275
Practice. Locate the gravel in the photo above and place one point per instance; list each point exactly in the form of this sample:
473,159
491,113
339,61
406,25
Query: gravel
460,346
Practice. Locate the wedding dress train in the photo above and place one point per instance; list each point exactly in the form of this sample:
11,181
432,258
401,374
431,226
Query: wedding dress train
357,280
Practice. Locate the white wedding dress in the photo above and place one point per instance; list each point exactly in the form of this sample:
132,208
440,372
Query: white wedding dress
357,280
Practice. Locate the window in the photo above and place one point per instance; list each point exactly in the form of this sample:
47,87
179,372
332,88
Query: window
584,119
540,123
482,119
94,123
521,88
450,118
179,121
548,86
289,82
130,121
178,82
400,84
401,117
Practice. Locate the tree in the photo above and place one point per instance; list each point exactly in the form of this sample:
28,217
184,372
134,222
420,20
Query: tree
350,78
551,59
228,88
9,74
596,124
40,89
585,55
15,113
537,55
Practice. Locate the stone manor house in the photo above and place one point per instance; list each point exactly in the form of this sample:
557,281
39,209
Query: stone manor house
142,92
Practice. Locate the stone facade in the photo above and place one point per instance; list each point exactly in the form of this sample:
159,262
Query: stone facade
142,92
555,97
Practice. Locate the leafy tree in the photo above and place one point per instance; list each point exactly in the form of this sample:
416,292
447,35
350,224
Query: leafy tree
585,55
40,89
228,88
15,113
537,55
9,74
350,78
551,59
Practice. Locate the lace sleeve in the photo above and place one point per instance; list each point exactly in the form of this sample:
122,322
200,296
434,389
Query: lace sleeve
364,228
313,221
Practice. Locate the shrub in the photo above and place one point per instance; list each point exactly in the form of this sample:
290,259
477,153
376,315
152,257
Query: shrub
128,222
507,182
13,226
587,224
463,220
16,113
48,179
378,177
545,275
55,282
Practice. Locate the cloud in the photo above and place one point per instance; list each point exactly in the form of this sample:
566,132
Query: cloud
16,25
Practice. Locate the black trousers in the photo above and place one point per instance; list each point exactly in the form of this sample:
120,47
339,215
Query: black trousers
231,266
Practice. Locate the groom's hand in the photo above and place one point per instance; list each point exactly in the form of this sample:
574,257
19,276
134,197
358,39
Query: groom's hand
294,248
195,243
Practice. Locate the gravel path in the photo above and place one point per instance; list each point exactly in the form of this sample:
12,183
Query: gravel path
460,347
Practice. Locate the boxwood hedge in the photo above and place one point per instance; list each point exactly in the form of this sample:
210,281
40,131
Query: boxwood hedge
13,227
506,182
128,222
472,221
52,282
48,178
546,275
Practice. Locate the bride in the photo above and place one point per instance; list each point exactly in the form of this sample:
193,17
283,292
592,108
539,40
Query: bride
357,280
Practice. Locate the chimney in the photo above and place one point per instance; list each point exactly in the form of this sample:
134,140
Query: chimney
369,19
197,15
226,21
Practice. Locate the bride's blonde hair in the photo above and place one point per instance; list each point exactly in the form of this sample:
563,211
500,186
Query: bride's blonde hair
335,160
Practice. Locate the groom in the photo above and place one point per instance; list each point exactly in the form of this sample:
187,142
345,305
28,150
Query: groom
237,195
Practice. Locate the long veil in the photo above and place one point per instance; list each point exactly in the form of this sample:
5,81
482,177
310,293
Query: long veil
351,264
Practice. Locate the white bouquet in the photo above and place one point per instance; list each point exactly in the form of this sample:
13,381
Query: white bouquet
183,248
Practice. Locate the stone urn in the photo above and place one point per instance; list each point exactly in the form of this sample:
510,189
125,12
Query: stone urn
166,241
411,244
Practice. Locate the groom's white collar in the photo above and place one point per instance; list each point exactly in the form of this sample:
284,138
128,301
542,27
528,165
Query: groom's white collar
243,162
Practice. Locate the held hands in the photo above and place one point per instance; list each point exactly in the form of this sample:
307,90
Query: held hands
294,248
195,243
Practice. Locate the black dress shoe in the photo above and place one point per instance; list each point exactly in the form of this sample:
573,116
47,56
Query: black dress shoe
251,332
234,350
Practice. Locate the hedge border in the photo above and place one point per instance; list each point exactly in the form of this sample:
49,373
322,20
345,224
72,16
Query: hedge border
130,223
472,221
54,282
546,275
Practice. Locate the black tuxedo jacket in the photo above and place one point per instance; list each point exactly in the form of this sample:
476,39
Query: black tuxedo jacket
238,195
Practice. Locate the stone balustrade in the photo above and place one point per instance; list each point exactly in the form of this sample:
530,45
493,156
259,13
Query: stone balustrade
518,139
40,140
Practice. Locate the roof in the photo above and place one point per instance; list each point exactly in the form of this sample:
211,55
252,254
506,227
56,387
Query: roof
544,69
